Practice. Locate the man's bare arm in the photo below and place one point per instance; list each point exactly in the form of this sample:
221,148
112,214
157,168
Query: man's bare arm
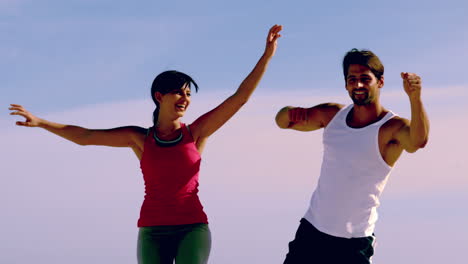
307,119
414,134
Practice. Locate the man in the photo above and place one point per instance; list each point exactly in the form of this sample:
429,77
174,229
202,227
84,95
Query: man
362,142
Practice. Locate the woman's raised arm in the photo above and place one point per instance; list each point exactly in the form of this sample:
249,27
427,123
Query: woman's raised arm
208,123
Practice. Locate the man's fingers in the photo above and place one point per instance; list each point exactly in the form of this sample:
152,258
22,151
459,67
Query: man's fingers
414,79
411,78
409,75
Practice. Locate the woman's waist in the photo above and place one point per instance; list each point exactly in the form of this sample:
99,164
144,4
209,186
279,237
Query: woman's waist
168,201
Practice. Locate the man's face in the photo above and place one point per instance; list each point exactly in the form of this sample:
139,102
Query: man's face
362,85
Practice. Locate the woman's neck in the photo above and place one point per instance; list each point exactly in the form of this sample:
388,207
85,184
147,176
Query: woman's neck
167,129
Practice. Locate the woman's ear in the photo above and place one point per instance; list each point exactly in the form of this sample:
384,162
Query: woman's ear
158,96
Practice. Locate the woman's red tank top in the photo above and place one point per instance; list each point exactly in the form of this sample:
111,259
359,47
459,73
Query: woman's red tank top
171,182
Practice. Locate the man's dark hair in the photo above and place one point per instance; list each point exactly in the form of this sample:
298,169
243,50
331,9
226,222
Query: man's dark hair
365,58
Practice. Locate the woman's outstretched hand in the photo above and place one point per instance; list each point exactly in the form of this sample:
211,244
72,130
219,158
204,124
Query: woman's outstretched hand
271,41
31,120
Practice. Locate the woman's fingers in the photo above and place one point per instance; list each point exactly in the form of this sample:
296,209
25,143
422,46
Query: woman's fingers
19,110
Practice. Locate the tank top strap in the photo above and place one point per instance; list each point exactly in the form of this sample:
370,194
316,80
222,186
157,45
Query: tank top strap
187,133
148,130
387,117
343,113
340,116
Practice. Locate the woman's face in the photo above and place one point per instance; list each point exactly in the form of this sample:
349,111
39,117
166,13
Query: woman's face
174,103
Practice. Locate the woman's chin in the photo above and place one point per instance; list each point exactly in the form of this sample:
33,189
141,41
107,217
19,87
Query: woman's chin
180,114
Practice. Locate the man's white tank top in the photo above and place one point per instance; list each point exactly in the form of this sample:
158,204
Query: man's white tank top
352,178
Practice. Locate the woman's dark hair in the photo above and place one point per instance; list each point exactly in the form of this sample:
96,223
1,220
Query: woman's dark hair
365,58
167,82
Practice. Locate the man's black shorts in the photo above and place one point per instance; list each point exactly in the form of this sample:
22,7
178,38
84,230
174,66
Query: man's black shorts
312,246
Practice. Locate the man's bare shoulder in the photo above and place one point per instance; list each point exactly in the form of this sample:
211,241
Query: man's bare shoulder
328,111
330,107
396,124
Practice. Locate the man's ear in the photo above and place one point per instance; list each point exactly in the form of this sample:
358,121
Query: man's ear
381,82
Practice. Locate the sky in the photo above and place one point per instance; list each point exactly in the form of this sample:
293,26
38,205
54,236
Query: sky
91,63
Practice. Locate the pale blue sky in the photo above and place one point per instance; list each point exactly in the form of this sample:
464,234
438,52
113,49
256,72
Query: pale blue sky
92,63
58,54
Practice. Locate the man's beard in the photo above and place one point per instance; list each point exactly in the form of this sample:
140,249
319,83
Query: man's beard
364,101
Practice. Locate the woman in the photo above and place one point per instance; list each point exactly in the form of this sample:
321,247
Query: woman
172,223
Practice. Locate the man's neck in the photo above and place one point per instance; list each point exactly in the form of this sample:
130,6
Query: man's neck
364,115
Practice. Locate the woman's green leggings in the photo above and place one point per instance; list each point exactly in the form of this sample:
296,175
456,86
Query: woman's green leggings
186,244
